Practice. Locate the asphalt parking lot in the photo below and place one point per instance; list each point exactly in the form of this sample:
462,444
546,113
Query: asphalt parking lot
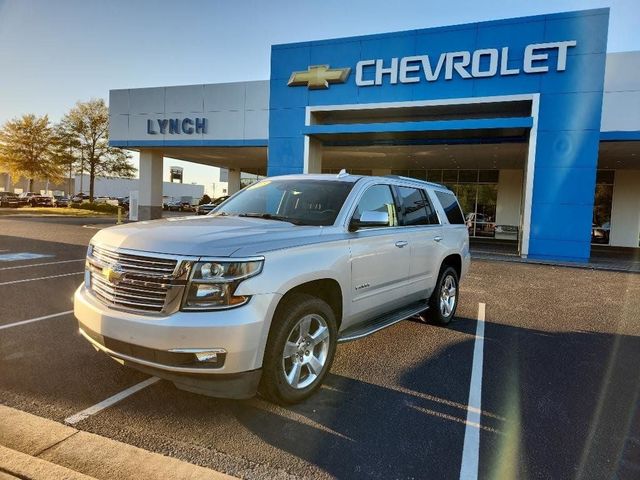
556,368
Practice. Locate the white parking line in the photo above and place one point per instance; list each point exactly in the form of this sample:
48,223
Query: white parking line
40,278
31,320
78,417
14,257
42,264
471,447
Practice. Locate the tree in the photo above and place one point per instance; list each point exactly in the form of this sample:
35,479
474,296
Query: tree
86,130
28,148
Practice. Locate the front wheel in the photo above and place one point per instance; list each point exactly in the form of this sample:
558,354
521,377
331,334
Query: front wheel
300,349
444,299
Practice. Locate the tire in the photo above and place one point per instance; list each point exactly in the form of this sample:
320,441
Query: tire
444,299
283,381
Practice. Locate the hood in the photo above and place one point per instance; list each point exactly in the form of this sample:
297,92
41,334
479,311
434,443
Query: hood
207,236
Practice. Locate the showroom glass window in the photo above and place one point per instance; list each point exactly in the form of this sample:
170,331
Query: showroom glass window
601,224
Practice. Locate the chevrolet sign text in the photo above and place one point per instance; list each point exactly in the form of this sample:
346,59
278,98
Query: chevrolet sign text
482,63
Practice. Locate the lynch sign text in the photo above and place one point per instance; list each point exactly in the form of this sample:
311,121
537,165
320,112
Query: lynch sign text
172,126
483,63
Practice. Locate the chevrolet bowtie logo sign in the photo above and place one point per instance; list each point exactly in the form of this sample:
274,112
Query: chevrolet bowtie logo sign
319,77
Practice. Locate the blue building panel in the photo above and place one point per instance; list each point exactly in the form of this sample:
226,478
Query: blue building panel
567,148
572,223
497,58
566,186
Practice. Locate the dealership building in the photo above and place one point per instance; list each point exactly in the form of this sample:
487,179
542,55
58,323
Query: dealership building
529,120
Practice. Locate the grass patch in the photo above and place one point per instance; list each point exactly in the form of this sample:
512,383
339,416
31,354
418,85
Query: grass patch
68,212
97,207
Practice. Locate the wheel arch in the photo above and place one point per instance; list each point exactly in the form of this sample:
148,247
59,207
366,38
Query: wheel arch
326,289
454,260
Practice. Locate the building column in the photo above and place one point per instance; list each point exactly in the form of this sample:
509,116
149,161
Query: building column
313,153
150,184
508,203
233,182
625,209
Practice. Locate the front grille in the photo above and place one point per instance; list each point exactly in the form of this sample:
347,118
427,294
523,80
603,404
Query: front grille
133,281
135,263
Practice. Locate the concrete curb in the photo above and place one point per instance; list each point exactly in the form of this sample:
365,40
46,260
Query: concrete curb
20,465
38,448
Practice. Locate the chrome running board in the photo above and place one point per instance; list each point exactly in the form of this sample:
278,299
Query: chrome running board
372,326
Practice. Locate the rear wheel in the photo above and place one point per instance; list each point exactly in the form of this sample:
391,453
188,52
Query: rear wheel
444,299
300,349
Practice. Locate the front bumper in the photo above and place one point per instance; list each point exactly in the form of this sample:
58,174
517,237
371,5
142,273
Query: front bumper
242,333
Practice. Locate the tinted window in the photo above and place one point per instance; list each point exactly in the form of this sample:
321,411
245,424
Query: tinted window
378,198
451,207
416,209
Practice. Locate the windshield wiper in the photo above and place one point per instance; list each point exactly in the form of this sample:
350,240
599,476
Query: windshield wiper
268,216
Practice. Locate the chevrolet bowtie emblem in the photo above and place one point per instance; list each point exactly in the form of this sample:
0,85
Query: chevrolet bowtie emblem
319,77
113,273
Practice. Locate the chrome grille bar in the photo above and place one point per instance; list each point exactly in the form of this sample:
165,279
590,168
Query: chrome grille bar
136,282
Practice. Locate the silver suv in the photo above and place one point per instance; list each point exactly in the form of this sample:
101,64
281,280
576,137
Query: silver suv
256,295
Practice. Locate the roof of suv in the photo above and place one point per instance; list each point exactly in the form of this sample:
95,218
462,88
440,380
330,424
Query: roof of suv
347,177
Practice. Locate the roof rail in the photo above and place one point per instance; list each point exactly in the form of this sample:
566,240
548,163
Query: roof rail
400,177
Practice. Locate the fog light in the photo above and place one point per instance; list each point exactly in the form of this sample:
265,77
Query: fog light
204,355
207,357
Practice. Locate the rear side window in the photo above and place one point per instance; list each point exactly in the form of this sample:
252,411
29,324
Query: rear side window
416,208
451,207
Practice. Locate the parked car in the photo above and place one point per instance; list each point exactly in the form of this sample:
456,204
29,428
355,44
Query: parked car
174,206
106,200
482,224
80,197
257,295
208,207
41,201
9,199
24,198
600,233
61,201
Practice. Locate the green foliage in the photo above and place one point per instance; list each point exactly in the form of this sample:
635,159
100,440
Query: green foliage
29,148
97,207
85,132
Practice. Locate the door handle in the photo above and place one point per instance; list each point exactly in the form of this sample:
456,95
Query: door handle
401,243
437,239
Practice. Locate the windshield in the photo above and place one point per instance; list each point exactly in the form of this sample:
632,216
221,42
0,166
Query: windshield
301,202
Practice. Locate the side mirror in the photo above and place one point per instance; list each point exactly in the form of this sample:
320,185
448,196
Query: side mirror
370,218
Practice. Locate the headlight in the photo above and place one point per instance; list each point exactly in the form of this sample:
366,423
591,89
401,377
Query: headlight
212,285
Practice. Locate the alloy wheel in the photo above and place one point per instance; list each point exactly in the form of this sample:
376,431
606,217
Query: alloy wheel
447,295
305,351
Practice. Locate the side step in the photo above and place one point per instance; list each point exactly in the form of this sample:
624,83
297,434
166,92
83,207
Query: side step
367,328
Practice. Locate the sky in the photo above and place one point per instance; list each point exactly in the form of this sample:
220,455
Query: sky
54,53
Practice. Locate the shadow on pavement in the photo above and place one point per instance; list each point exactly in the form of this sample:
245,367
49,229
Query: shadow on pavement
554,406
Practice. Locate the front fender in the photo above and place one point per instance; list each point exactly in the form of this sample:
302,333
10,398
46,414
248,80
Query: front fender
288,268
